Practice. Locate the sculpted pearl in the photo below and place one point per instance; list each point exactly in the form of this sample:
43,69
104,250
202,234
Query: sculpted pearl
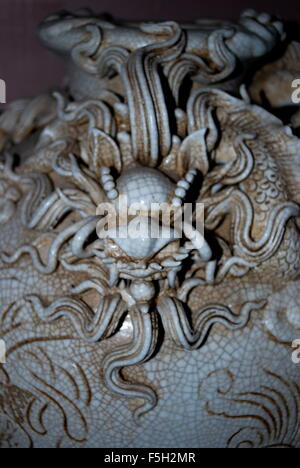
142,291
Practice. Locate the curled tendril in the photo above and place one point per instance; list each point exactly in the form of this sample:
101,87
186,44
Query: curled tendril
90,326
238,204
93,327
139,350
178,328
53,253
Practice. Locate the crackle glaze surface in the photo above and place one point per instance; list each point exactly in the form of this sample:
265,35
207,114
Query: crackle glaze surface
114,342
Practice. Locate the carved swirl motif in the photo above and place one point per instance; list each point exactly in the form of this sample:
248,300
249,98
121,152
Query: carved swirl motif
9,195
269,416
99,149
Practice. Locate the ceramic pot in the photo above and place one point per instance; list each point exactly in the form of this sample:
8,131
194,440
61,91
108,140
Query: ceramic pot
115,337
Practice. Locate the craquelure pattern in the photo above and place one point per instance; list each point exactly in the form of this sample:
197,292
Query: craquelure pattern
155,342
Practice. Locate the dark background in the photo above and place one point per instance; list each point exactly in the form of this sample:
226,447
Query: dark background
28,69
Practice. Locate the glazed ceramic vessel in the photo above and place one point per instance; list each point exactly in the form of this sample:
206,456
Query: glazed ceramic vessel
168,341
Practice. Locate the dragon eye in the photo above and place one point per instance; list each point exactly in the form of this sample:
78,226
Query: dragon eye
143,237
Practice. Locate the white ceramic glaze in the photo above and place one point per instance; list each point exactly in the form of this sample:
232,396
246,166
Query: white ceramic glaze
119,342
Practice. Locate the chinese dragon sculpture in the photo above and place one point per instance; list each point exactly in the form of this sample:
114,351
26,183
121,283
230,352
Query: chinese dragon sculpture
116,342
